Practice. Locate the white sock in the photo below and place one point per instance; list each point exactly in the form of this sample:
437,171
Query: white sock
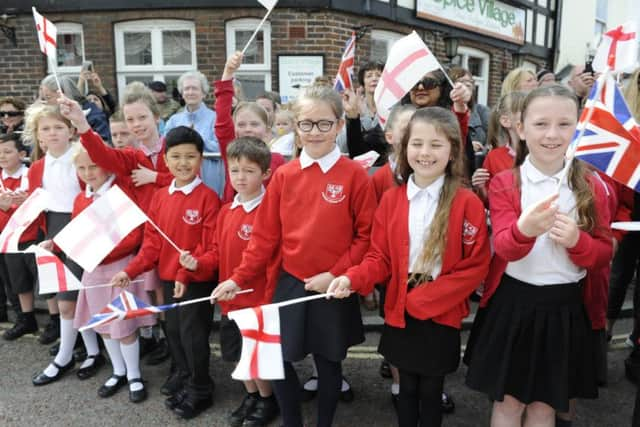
90,339
345,385
311,385
146,332
117,361
67,340
395,389
131,354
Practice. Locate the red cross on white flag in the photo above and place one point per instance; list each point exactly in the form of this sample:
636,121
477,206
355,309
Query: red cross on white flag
618,49
261,349
22,219
46,34
408,61
53,275
98,229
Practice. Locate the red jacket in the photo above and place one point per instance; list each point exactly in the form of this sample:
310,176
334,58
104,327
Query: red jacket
123,161
592,250
498,160
188,220
132,242
465,262
226,133
320,222
383,180
233,232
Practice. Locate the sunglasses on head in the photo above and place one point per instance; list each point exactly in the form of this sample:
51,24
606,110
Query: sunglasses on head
427,83
10,113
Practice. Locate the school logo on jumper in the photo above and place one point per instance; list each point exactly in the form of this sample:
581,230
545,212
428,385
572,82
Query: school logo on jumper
192,216
245,231
469,233
333,193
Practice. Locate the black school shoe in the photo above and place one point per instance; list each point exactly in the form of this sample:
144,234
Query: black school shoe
238,416
137,396
25,324
174,400
265,410
173,384
44,379
91,370
51,332
191,407
446,404
108,391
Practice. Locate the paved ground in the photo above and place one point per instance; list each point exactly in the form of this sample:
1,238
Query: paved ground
71,402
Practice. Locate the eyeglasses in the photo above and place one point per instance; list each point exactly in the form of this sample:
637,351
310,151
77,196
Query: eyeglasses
322,125
427,83
10,113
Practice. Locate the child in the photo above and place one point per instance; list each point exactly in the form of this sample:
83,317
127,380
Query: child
423,314
186,211
284,128
248,119
57,174
249,160
319,207
121,136
503,139
120,338
17,270
534,346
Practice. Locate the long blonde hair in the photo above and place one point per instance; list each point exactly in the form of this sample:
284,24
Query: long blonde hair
445,123
632,94
511,83
36,112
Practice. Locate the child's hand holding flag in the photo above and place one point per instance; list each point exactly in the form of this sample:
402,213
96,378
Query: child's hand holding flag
121,280
225,291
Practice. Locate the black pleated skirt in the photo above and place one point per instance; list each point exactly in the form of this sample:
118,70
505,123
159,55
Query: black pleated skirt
327,327
535,344
56,221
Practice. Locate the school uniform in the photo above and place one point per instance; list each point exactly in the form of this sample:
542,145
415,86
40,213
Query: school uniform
383,179
535,341
499,159
225,132
188,216
318,212
58,176
91,301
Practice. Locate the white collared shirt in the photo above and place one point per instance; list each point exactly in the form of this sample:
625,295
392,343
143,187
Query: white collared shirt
20,174
547,263
186,189
88,192
423,203
249,205
325,162
60,179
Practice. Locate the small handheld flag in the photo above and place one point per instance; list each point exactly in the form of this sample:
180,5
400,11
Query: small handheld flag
344,79
53,275
269,5
47,33
618,49
22,218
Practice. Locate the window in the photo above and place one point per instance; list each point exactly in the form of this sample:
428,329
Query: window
381,42
70,49
255,71
477,62
601,17
150,50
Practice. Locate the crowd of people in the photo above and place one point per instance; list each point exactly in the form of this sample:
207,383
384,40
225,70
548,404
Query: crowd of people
466,204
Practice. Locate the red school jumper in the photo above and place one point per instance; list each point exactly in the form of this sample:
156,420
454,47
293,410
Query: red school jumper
189,220
12,184
321,221
226,133
593,251
464,264
123,161
382,180
498,160
233,232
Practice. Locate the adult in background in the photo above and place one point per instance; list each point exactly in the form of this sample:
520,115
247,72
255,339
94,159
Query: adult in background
193,87
90,84
545,78
519,80
167,105
97,118
580,81
11,115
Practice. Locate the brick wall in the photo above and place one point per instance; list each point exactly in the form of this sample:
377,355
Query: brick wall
293,31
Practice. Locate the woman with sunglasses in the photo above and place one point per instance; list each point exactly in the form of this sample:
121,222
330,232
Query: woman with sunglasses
11,115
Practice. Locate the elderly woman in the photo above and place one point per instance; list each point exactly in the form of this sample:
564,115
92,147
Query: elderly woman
95,116
11,115
193,87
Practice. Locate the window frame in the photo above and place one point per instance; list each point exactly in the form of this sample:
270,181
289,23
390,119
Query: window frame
261,69
389,37
68,28
482,82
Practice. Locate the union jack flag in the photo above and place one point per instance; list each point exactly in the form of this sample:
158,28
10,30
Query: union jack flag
345,70
611,140
124,306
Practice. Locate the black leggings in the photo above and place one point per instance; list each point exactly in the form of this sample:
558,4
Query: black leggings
623,267
419,400
287,392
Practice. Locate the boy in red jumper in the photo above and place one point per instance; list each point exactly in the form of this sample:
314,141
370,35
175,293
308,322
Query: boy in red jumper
249,159
186,211
17,270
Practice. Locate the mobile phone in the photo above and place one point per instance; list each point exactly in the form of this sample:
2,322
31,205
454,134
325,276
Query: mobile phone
87,66
588,66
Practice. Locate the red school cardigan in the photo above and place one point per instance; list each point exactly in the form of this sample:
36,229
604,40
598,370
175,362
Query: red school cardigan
464,265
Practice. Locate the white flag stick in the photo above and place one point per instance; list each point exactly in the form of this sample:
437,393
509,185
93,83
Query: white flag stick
165,236
55,74
107,285
572,149
246,46
301,299
193,301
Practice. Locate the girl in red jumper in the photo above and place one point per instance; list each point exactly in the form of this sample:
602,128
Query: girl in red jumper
247,119
120,338
429,240
319,208
534,350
